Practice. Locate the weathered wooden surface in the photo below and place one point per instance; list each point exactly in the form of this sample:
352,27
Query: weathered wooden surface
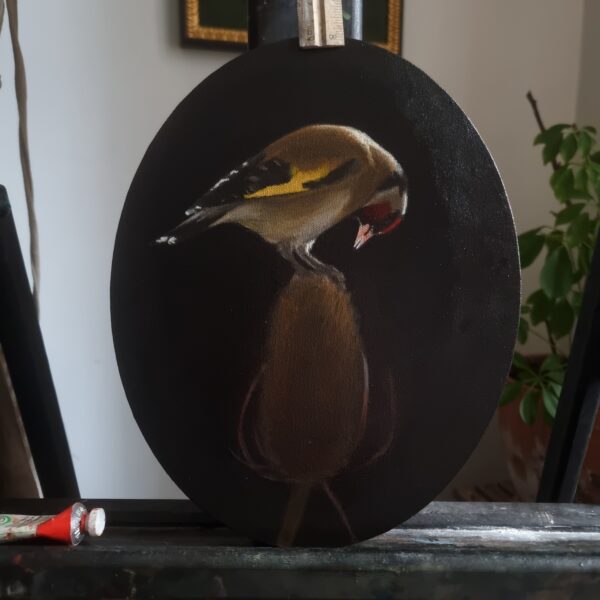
17,473
450,550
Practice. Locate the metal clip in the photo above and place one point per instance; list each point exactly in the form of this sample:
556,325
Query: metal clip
321,23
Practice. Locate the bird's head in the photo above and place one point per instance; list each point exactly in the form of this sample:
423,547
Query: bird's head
385,210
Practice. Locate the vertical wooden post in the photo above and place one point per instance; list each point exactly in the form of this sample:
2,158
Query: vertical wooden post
23,346
579,401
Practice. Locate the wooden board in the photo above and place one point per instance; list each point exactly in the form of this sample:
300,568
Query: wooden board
17,471
449,550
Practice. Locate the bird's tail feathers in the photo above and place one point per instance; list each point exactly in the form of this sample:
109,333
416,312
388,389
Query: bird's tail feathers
199,219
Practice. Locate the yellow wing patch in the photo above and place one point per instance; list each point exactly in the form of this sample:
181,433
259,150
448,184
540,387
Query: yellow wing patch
296,183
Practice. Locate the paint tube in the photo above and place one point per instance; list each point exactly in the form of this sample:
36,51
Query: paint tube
68,527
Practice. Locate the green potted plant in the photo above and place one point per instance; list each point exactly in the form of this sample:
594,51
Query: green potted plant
565,245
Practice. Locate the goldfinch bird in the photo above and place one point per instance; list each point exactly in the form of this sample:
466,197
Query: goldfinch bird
300,186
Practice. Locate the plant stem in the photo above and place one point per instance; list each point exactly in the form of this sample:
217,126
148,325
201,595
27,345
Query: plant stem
551,339
555,166
571,254
539,335
540,122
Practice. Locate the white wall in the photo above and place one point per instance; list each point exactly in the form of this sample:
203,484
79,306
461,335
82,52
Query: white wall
588,105
487,54
104,74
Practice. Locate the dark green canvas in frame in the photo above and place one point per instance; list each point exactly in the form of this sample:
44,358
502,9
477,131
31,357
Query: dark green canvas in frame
224,23
229,15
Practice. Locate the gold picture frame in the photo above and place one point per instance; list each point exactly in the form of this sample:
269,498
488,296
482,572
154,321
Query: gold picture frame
196,32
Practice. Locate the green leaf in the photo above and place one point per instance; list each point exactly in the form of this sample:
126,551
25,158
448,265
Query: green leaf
579,231
566,215
593,176
511,391
556,277
551,149
552,363
551,396
529,406
578,195
568,148
584,142
552,139
576,302
523,331
554,239
562,318
581,182
521,364
550,134
584,259
556,376
530,245
591,129
595,157
563,183
540,307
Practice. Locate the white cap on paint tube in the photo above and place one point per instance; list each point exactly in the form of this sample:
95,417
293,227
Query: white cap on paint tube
95,522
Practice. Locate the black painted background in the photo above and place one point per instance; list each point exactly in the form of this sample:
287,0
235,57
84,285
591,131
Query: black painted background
438,299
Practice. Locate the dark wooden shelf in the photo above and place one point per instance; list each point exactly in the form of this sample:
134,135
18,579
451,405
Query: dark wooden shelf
449,550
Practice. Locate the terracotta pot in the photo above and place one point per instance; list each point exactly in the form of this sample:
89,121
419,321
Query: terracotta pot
526,449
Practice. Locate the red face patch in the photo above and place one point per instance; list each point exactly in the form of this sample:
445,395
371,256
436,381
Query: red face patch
391,226
376,212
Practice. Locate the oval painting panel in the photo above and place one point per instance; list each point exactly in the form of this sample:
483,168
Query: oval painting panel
314,293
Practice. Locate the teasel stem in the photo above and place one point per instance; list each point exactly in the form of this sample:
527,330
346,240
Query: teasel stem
294,512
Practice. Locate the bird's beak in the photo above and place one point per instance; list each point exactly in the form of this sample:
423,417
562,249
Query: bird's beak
364,234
